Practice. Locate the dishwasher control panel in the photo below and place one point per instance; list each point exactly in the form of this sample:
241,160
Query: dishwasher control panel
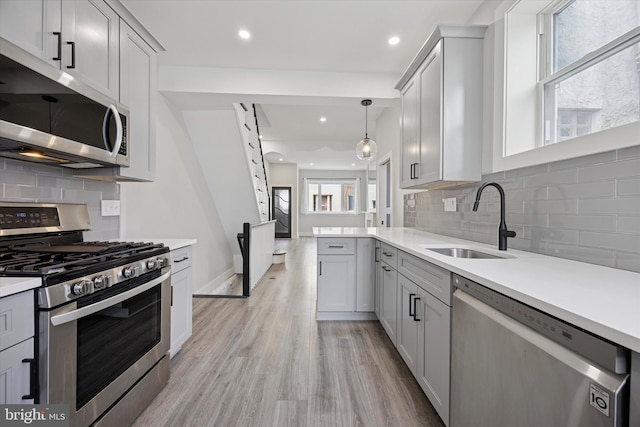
606,354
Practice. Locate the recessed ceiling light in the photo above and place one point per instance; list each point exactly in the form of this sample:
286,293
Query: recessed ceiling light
244,34
394,40
323,119
353,164
281,159
311,164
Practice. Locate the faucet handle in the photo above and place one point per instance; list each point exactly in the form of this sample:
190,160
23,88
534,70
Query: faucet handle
508,233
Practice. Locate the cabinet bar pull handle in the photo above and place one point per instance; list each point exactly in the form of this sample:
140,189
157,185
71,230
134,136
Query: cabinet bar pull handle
414,307
181,259
415,313
386,268
412,171
336,246
73,55
387,254
59,56
32,379
320,274
377,255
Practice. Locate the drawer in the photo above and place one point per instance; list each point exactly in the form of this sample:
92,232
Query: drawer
389,255
17,314
181,259
430,277
336,246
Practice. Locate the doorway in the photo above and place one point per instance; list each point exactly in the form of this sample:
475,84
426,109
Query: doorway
281,211
384,192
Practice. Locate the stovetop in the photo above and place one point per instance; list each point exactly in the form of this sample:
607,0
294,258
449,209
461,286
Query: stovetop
55,263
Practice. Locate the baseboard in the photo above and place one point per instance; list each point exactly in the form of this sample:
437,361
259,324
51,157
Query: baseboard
215,283
346,315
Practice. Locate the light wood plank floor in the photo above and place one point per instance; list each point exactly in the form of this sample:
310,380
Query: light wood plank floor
265,361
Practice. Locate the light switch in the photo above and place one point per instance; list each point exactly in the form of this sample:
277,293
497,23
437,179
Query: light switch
450,205
110,207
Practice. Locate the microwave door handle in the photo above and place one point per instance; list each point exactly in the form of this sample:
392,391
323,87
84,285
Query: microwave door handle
70,316
112,111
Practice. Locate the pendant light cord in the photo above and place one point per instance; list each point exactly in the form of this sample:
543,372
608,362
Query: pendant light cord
366,119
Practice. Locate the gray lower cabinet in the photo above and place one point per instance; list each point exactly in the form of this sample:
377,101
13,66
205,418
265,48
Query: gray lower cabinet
420,322
346,278
408,322
16,347
388,300
181,304
434,351
336,280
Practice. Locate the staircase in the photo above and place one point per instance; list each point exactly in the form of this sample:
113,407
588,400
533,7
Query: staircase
255,160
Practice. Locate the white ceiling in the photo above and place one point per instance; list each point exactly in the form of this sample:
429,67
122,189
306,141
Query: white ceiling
300,35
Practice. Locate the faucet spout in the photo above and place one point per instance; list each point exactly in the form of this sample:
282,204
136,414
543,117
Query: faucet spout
503,232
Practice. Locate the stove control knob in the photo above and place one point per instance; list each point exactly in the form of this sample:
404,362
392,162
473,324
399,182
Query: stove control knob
100,282
152,264
81,288
131,271
163,262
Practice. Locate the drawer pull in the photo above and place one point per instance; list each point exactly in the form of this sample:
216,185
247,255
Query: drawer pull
386,268
181,259
387,254
33,379
59,56
336,246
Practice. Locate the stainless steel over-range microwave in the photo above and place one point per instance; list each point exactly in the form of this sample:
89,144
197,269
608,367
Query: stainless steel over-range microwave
48,116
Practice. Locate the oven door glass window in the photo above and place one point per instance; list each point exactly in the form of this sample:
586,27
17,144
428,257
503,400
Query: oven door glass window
112,340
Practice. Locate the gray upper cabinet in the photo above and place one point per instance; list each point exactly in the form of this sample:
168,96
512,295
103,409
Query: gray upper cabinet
441,122
80,37
32,25
92,56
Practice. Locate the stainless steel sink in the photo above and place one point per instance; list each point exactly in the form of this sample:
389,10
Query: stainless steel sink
465,253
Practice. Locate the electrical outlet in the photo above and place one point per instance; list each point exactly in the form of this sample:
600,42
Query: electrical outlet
110,207
450,205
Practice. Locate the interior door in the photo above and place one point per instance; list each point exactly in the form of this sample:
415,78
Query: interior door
281,211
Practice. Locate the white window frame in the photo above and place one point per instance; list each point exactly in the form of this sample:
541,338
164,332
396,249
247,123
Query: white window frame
320,182
518,108
547,127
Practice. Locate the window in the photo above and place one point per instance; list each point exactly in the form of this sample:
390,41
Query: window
590,67
331,196
571,80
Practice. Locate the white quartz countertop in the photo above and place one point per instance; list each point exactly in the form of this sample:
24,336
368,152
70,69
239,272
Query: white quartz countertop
602,300
172,243
13,285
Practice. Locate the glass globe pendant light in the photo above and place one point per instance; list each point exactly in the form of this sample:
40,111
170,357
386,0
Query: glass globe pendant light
366,148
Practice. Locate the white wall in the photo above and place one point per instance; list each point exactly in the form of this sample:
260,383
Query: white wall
388,139
217,141
286,175
307,222
178,203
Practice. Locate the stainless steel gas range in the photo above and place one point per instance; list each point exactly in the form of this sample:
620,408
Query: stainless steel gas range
102,312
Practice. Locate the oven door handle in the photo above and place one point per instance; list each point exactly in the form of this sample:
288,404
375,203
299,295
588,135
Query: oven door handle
61,319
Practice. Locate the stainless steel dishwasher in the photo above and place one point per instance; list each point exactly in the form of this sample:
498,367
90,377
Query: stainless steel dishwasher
513,365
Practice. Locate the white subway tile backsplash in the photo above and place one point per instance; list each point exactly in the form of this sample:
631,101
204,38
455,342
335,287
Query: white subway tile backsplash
628,187
629,225
586,209
583,222
615,170
31,182
609,206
